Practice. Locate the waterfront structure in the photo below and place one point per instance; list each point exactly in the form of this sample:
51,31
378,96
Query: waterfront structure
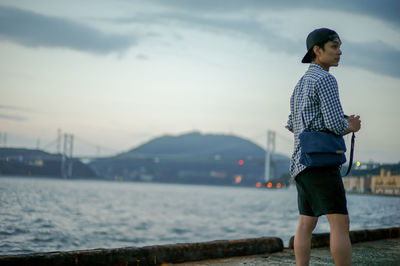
385,183
357,184
384,179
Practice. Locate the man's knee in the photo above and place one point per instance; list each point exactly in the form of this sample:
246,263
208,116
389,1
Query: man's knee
308,223
339,221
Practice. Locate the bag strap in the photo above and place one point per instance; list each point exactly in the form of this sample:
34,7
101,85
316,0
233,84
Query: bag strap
301,113
351,154
304,123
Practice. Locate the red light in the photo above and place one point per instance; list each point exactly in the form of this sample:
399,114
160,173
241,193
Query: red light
279,185
258,184
269,185
240,162
238,179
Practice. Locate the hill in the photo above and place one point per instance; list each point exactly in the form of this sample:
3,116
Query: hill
192,158
196,145
27,162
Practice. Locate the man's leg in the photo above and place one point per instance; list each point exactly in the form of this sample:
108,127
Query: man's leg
302,239
339,239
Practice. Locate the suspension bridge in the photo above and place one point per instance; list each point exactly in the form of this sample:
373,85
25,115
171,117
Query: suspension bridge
65,145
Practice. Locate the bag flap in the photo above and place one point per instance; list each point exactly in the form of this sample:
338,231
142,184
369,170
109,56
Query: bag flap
313,141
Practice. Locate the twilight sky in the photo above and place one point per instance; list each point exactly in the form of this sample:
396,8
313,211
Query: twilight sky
119,73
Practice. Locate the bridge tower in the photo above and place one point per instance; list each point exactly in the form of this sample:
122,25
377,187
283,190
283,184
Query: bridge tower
59,140
268,154
66,165
3,139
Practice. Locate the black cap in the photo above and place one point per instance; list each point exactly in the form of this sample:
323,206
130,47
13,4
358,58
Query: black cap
318,36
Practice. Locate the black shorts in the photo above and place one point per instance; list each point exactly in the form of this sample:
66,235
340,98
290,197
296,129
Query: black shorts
321,191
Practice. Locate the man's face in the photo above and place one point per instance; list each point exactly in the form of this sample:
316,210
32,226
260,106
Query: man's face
329,56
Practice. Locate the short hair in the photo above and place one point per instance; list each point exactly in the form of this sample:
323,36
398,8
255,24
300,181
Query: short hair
322,45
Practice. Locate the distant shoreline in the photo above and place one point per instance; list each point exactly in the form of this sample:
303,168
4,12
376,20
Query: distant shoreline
195,184
137,181
371,194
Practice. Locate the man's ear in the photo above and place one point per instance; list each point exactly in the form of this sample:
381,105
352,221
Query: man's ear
316,50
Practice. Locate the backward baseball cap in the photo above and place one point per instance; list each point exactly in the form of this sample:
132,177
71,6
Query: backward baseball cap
316,37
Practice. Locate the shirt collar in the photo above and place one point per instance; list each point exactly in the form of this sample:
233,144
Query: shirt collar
314,65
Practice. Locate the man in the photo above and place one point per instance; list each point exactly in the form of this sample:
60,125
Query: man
315,104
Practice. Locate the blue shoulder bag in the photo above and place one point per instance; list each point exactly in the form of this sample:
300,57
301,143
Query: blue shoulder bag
322,148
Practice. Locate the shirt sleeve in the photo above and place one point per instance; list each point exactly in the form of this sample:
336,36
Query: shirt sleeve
289,125
331,108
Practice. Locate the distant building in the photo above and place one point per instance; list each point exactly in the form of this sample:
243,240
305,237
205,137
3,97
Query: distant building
357,184
385,183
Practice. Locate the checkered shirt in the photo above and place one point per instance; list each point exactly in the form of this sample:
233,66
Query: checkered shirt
316,98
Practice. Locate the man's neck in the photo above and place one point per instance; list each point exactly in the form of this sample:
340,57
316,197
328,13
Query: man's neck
316,61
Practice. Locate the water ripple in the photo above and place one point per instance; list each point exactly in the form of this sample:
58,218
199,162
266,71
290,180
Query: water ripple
39,215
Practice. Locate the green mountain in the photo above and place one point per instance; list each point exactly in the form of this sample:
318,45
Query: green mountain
197,145
27,162
192,158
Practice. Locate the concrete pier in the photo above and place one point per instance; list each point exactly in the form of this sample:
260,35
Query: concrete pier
384,252
378,247
151,255
371,247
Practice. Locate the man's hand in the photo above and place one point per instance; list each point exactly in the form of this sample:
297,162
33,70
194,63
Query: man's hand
354,123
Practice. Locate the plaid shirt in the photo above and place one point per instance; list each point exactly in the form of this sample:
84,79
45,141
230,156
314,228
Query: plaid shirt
316,98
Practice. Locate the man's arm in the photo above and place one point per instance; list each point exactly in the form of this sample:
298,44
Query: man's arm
289,125
331,109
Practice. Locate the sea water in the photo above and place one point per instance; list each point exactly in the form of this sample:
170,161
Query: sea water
41,215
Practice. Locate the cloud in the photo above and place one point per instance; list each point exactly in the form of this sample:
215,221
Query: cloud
221,17
376,57
10,107
35,30
142,57
247,28
13,117
386,10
